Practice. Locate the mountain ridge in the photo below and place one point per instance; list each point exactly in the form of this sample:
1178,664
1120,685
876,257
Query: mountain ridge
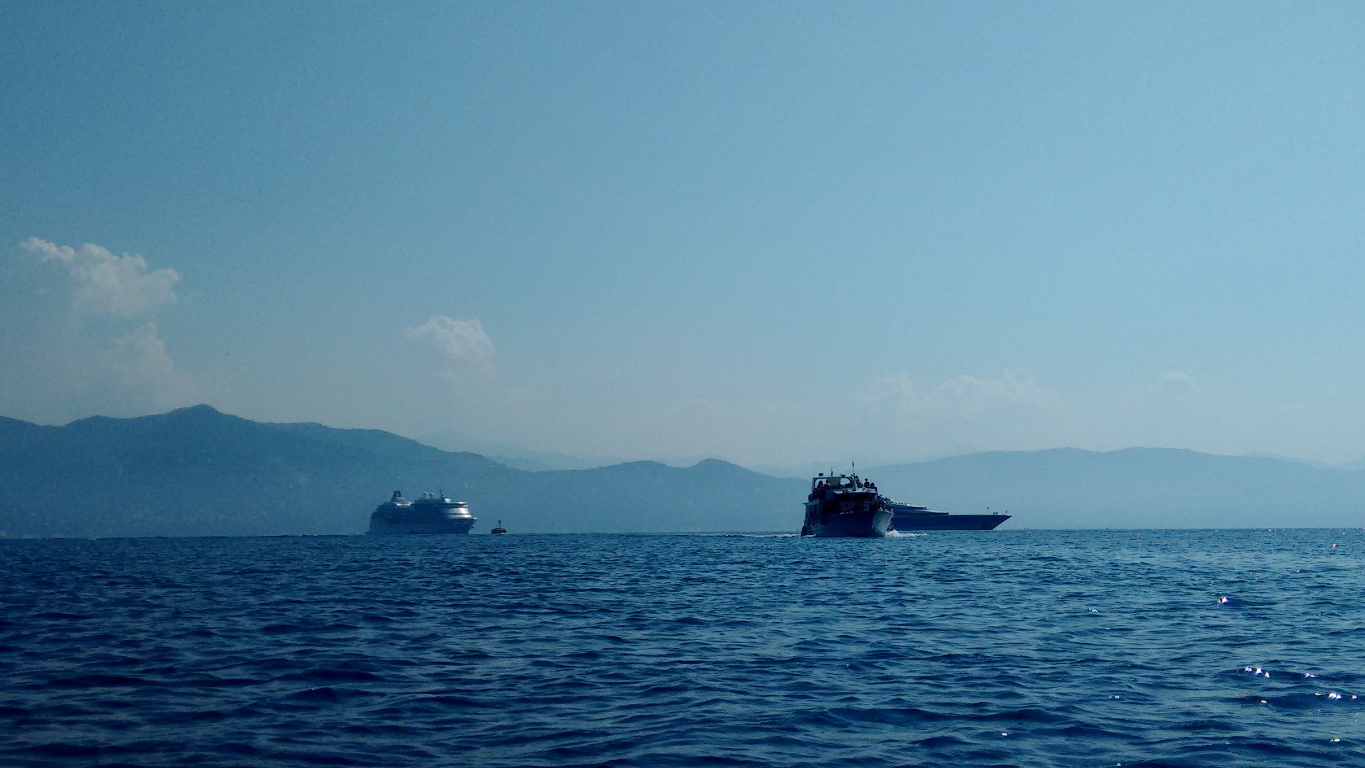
196,472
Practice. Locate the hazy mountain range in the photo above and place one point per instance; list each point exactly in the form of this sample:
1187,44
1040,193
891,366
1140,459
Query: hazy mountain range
199,472
509,455
196,471
518,457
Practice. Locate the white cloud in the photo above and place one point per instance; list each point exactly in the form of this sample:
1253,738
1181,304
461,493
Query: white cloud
98,352
141,356
462,343
107,284
1173,383
141,370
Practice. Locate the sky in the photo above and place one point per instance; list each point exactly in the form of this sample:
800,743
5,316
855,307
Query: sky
771,233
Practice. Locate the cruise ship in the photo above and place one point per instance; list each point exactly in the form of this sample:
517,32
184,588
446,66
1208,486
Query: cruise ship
432,513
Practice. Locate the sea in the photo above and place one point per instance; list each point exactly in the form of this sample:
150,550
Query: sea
1001,648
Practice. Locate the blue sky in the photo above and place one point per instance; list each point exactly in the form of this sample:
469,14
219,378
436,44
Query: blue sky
767,232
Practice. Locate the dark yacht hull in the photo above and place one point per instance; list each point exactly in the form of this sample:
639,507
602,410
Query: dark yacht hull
865,525
939,521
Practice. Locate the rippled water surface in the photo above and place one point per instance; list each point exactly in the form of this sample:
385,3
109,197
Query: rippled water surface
1024,648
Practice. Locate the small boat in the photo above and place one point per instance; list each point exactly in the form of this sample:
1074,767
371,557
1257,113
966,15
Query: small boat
432,513
499,529
845,506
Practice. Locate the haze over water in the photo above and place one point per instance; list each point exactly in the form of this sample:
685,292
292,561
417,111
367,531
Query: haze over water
1027,648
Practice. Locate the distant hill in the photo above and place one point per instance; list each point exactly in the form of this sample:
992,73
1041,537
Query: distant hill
1133,488
519,457
198,472
1354,466
510,455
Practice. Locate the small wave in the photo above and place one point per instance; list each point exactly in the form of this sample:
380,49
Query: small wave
329,693
1037,649
98,681
334,675
768,535
61,616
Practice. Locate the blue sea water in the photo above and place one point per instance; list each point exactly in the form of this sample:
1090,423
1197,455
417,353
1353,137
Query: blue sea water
1022,648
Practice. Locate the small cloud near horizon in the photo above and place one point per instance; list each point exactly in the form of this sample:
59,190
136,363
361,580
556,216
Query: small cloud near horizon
462,343
1174,383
